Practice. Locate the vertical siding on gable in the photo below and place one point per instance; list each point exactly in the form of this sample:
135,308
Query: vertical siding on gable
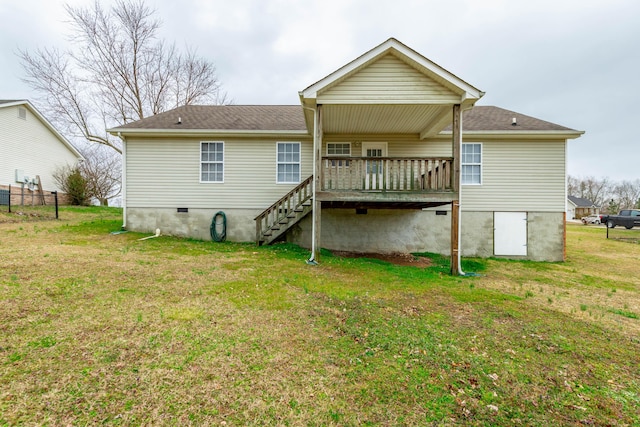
388,79
29,145
519,176
165,173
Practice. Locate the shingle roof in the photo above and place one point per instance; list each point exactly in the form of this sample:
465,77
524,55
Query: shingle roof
580,202
490,118
226,117
290,117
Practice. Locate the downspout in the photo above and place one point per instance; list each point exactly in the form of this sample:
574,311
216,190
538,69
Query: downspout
460,271
123,181
312,257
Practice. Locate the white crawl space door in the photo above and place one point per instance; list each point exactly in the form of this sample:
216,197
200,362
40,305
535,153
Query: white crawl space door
510,233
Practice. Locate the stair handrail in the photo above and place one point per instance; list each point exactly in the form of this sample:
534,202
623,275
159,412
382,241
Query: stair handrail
297,189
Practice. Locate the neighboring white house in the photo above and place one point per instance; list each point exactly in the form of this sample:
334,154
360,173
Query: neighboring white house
30,146
386,154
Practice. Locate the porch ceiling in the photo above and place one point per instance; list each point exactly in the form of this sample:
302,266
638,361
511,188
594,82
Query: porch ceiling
385,119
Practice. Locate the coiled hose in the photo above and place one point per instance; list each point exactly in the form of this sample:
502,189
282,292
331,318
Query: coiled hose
219,219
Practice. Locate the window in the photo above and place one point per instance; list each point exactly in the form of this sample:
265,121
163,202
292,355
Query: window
22,113
471,164
212,162
339,149
288,162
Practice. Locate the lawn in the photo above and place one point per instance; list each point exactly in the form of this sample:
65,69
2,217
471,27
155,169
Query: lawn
102,328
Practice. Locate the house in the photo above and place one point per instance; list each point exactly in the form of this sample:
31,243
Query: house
577,207
387,154
30,147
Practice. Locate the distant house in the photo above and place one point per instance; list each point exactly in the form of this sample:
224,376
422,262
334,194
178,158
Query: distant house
386,154
577,207
30,147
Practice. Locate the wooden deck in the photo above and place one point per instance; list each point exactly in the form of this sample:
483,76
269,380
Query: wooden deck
362,183
386,182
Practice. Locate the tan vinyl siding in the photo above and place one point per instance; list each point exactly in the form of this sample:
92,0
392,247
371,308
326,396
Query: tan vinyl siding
519,176
168,175
27,144
388,80
516,175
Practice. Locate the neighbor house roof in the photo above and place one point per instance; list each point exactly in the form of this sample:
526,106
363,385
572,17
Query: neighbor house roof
289,118
11,101
580,202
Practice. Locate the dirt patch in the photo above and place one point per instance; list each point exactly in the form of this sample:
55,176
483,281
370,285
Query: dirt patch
396,258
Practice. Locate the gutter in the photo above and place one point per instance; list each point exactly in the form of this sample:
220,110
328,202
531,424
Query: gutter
511,135
209,132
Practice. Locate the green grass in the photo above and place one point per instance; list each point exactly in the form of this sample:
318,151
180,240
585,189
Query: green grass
107,329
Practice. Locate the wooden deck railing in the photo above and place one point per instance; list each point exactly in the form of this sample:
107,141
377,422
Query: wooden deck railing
285,208
386,174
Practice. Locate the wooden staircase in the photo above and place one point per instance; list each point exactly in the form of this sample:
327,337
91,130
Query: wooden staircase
286,212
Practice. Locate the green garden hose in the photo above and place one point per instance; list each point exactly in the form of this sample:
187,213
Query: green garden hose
219,219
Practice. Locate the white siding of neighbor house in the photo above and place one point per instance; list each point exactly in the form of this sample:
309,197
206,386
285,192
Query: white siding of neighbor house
165,173
389,80
27,144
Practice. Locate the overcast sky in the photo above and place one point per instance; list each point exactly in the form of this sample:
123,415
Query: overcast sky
572,62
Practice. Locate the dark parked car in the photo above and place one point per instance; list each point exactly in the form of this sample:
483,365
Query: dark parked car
628,218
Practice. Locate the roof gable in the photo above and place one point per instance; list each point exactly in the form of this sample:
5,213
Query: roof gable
419,67
388,79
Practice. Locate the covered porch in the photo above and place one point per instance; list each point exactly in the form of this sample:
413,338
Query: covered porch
390,93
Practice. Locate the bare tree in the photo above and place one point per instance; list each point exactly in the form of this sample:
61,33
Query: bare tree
590,188
102,171
627,194
116,72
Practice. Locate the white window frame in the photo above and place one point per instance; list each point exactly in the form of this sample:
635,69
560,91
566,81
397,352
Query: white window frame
278,162
212,162
340,163
478,164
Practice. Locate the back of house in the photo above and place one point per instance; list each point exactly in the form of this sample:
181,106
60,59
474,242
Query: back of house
387,154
